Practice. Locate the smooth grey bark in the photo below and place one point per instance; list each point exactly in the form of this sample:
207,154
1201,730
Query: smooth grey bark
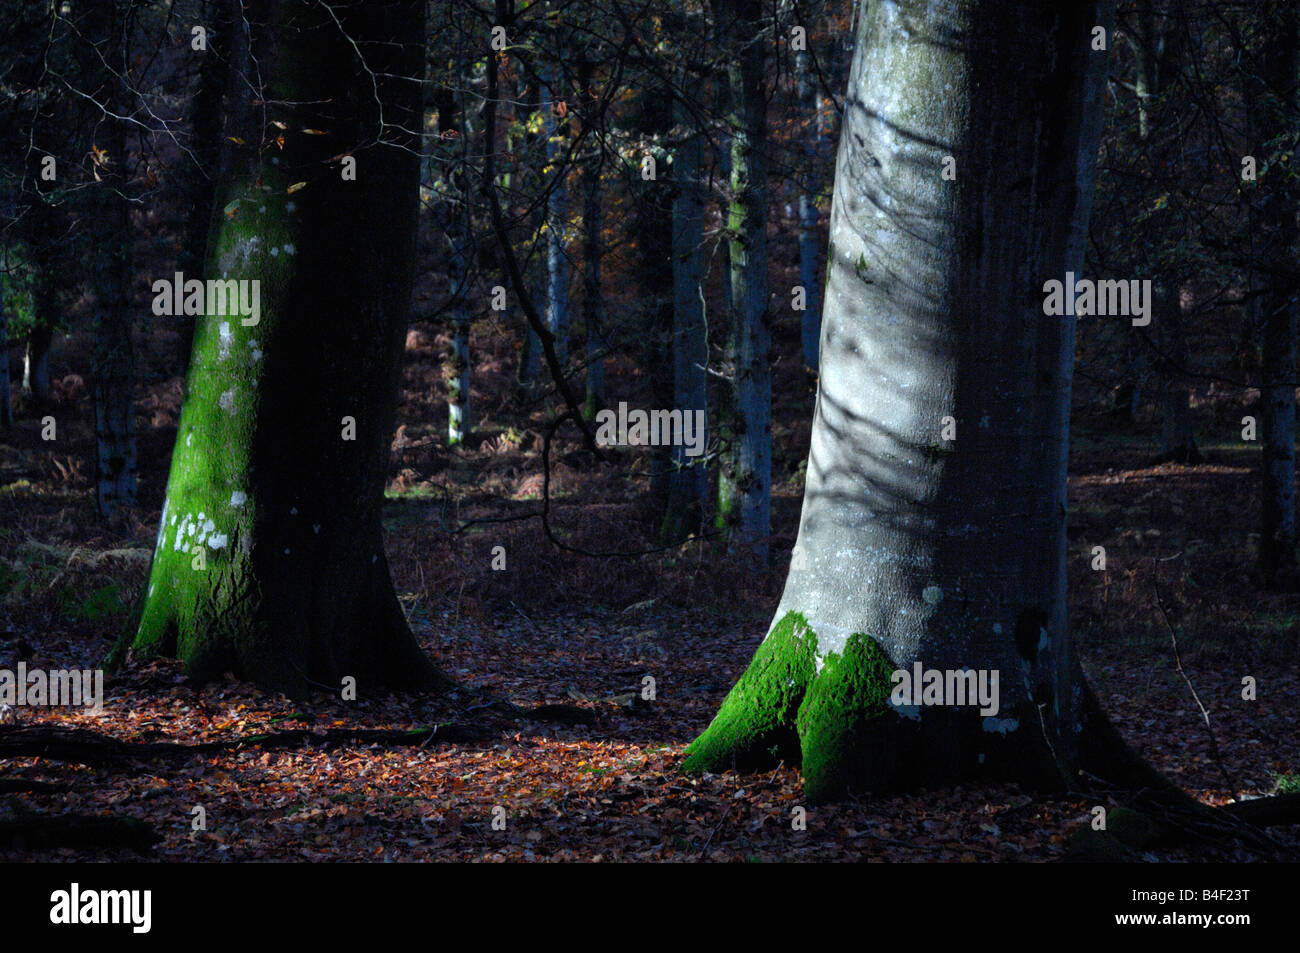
745,475
530,355
950,553
557,215
688,480
810,250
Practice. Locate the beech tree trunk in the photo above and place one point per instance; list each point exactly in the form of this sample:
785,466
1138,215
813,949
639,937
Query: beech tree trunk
688,479
557,224
810,321
269,560
912,547
745,474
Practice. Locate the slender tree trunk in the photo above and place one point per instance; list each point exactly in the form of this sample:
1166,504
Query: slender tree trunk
1178,438
557,225
459,236
6,403
1272,106
688,480
114,364
745,477
810,250
593,305
530,358
36,357
919,544
270,559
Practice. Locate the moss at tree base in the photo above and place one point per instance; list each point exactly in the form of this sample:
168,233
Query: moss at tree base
837,724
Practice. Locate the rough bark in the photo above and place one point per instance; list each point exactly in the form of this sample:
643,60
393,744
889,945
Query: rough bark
913,548
264,481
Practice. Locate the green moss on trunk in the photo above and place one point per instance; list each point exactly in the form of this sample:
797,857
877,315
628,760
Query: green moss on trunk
847,731
756,723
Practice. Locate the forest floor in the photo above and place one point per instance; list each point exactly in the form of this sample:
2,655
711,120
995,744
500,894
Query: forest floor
689,619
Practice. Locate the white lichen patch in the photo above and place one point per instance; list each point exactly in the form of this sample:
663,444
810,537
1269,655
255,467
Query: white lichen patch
227,401
224,339
217,541
932,594
238,498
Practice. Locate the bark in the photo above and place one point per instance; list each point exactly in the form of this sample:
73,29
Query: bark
114,359
593,305
459,188
530,357
264,481
36,358
557,225
913,548
202,167
688,484
745,476
6,403
810,321
1270,105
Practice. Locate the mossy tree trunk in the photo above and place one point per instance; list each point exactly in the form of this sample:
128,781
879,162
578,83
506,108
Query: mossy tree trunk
277,477
912,547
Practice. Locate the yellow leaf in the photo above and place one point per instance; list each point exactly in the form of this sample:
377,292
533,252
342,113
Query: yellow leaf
278,124
295,187
237,141
313,132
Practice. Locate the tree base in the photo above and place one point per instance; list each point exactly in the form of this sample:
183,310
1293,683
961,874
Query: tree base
835,722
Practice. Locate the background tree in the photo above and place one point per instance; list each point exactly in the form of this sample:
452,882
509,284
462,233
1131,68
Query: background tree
269,560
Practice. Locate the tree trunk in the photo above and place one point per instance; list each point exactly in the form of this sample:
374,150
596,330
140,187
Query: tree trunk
36,358
1271,105
688,480
810,321
6,403
913,548
114,363
593,305
745,476
202,168
269,561
459,188
557,226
